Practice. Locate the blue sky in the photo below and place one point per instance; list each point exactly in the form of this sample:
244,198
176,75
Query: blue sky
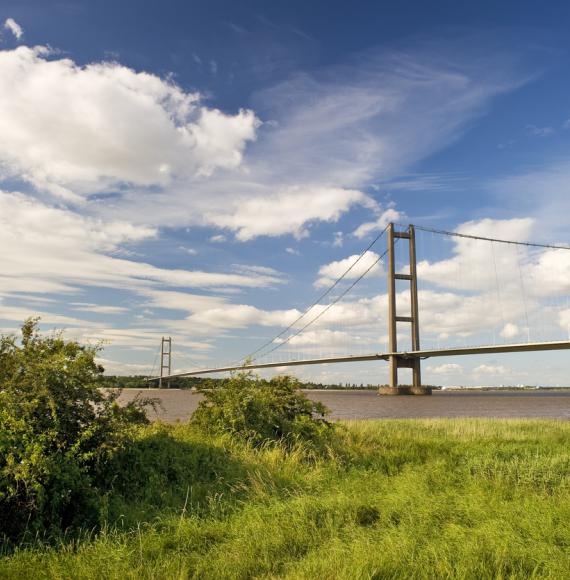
202,169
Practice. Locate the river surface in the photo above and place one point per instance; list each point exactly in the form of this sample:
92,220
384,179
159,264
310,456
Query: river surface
178,405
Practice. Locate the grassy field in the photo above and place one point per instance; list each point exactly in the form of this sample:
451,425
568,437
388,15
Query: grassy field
459,498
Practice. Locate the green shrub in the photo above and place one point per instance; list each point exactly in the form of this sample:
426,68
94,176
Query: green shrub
259,410
57,432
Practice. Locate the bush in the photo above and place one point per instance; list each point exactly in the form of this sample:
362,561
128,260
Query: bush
57,432
258,410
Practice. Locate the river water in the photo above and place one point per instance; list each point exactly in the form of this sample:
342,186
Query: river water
178,405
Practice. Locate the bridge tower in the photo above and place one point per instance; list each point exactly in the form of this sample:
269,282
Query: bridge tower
165,361
396,360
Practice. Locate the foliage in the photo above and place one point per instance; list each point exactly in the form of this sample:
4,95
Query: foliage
58,431
259,410
142,382
451,498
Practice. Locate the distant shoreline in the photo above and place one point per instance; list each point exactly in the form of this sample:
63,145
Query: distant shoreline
355,389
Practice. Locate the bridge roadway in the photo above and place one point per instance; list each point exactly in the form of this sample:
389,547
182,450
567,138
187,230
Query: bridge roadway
414,354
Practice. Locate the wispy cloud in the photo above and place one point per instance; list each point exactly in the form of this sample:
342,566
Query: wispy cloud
61,250
542,191
11,25
535,131
329,137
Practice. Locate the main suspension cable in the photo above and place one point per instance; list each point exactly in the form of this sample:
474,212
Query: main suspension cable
318,300
486,239
337,299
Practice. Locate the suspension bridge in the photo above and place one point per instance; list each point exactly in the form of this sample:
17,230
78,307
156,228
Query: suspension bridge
502,282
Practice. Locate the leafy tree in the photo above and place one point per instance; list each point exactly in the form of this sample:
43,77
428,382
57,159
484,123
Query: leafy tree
258,410
58,430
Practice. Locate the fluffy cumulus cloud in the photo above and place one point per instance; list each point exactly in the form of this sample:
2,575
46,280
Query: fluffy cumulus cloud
383,219
510,330
289,211
476,265
76,130
230,316
445,369
486,369
353,267
507,288
481,281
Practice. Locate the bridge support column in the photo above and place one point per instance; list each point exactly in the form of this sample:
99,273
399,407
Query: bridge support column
396,360
165,361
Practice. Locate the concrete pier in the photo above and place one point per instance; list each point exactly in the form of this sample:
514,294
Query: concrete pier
404,390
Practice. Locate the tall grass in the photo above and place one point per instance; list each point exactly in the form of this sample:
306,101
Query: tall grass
461,498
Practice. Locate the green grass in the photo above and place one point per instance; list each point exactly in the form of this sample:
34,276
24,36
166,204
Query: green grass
461,498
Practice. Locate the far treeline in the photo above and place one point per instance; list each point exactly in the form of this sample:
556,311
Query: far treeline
140,382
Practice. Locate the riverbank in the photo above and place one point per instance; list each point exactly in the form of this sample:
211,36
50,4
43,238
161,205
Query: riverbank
467,498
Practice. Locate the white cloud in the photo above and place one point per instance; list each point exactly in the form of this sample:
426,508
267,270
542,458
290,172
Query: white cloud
255,270
11,25
449,315
189,251
564,320
218,239
292,251
387,216
98,308
20,313
485,369
60,249
503,288
230,316
328,273
445,369
119,126
489,288
289,211
479,265
338,240
510,330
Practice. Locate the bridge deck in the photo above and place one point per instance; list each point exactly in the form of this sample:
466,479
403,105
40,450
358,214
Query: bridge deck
424,353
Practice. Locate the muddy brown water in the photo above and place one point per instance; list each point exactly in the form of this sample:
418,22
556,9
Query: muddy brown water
178,405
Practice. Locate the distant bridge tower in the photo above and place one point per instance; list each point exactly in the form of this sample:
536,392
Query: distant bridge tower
165,361
397,361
